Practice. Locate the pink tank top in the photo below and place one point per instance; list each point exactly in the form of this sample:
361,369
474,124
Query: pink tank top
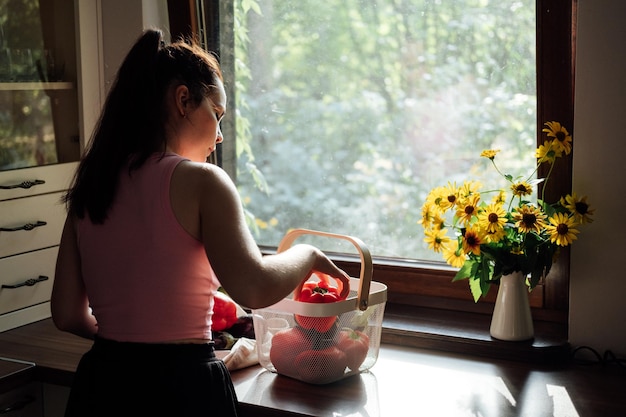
147,279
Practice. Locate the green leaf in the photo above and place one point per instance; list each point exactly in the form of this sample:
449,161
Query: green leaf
465,271
476,288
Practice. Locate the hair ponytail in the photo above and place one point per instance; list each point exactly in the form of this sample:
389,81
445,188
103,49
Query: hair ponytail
125,124
131,126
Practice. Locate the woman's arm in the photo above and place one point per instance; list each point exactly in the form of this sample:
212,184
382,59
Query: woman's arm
69,303
252,279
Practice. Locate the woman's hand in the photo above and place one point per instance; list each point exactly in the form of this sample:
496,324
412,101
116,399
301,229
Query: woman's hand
324,265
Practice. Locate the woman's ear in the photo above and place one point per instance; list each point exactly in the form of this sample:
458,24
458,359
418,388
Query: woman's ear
181,97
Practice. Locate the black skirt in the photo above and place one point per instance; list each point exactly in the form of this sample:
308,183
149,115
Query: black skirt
144,379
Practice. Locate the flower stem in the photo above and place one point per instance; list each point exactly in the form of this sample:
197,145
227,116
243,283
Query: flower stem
545,183
499,172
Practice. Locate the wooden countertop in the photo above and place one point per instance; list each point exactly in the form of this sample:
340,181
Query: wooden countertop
405,381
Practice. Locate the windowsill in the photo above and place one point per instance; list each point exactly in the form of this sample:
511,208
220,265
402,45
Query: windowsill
468,333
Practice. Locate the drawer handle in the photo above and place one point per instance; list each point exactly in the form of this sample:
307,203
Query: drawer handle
18,405
27,226
28,283
23,184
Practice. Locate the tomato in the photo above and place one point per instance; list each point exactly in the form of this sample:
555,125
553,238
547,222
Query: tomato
286,345
318,289
321,366
224,312
355,345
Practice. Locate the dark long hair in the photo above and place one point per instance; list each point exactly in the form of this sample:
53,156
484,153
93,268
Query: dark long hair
132,124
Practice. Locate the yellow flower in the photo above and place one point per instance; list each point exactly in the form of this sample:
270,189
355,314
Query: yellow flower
436,239
495,236
517,250
521,188
563,140
499,198
427,214
438,221
468,208
547,152
562,229
436,199
469,188
454,255
529,218
489,153
578,208
449,196
492,218
472,241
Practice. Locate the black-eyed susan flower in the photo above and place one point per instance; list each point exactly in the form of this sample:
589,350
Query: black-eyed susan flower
439,222
529,218
472,239
449,196
563,140
562,229
426,215
454,255
547,152
495,236
579,208
489,153
492,218
521,189
467,209
499,198
469,188
433,200
436,239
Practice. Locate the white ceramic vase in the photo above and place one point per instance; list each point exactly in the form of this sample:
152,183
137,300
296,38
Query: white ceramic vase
511,318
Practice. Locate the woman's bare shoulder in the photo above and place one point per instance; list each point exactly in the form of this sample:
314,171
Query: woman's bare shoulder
202,178
199,172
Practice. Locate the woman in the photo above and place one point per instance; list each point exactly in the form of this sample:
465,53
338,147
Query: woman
150,229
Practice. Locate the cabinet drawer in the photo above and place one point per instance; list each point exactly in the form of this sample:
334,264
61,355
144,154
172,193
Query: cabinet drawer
55,178
15,214
25,401
17,269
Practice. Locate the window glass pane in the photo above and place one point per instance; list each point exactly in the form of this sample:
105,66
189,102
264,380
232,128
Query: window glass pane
353,110
38,96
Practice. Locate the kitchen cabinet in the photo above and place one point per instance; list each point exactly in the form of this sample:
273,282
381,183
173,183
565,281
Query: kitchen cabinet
57,61
50,96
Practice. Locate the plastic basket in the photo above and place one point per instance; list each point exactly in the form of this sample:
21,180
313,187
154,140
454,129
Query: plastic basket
315,357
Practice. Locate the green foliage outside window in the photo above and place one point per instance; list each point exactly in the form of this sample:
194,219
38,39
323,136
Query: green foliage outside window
350,111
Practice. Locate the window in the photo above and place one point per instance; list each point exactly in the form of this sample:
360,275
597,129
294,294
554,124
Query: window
352,110
357,109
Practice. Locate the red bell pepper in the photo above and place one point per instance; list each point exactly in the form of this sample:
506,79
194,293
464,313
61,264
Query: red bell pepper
355,345
318,289
321,366
318,292
224,312
286,345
